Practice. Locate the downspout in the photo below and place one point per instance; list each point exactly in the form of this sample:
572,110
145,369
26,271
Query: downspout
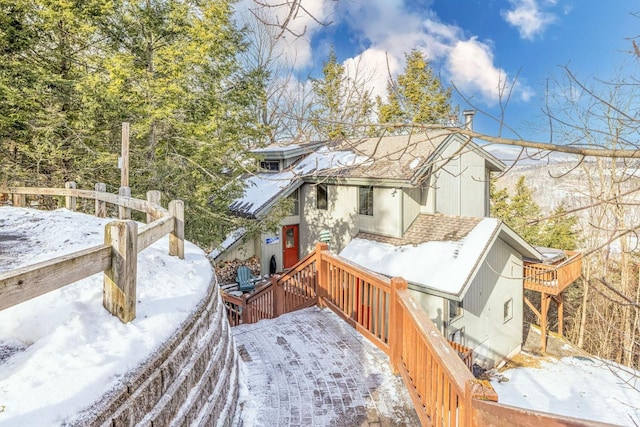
401,213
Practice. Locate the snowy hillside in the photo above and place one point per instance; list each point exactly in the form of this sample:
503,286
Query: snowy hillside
60,352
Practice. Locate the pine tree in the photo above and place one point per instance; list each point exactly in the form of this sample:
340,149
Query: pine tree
71,72
523,214
416,96
341,102
42,48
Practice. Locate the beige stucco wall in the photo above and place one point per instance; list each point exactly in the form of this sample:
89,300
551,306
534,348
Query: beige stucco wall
339,218
387,212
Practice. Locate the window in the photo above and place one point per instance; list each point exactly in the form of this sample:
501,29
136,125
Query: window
365,201
289,239
295,203
455,309
321,196
508,310
270,165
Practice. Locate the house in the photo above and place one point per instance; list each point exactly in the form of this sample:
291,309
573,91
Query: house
411,205
466,273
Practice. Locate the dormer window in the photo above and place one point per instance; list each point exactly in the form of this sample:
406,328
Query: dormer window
270,165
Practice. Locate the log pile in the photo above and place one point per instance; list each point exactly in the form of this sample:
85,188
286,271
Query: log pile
226,270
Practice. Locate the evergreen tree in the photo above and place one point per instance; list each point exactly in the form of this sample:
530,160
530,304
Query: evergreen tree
340,102
417,96
522,213
42,48
71,72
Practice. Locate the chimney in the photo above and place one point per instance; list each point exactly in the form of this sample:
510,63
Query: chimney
468,118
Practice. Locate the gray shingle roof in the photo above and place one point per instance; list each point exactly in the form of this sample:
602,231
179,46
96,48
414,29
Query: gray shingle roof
395,157
429,228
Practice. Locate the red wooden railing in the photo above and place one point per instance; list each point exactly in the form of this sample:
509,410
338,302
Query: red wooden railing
292,291
435,371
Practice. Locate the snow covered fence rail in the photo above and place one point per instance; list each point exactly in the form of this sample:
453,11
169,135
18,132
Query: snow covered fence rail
117,257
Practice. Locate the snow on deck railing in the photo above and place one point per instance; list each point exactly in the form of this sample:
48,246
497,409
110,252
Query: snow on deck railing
117,257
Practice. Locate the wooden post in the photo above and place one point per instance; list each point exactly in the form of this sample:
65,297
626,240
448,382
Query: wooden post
124,166
560,302
176,238
544,311
101,206
475,389
70,201
395,323
124,213
153,196
322,273
119,294
278,296
245,310
19,200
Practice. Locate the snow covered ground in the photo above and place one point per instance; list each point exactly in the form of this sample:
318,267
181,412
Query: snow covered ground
581,387
60,352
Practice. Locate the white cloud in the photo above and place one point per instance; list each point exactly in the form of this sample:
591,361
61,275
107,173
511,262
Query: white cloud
386,30
373,67
390,31
528,18
294,43
470,65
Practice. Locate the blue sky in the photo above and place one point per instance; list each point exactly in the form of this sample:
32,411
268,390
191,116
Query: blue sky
474,44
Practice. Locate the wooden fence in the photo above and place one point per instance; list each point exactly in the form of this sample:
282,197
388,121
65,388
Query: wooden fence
117,257
436,371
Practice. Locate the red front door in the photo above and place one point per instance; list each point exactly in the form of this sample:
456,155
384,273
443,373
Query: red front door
290,246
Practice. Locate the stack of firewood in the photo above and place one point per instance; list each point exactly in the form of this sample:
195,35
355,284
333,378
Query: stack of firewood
226,270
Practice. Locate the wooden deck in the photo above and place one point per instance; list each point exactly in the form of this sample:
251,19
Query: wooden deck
553,279
439,382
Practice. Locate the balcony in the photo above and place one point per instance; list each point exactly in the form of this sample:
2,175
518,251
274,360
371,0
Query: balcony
553,278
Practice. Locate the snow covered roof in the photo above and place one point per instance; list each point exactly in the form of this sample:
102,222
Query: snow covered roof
263,189
230,240
399,157
440,253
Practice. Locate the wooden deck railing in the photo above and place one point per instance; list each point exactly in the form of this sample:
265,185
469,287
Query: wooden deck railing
292,291
117,257
553,279
436,371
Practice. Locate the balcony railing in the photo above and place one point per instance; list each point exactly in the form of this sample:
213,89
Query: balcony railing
443,390
553,279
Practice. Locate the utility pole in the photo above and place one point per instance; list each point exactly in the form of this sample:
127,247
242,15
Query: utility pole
125,190
124,157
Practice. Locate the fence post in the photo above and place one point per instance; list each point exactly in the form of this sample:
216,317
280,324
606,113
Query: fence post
278,296
119,296
176,238
101,206
245,310
395,323
124,213
153,196
322,273
19,200
70,201
476,389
